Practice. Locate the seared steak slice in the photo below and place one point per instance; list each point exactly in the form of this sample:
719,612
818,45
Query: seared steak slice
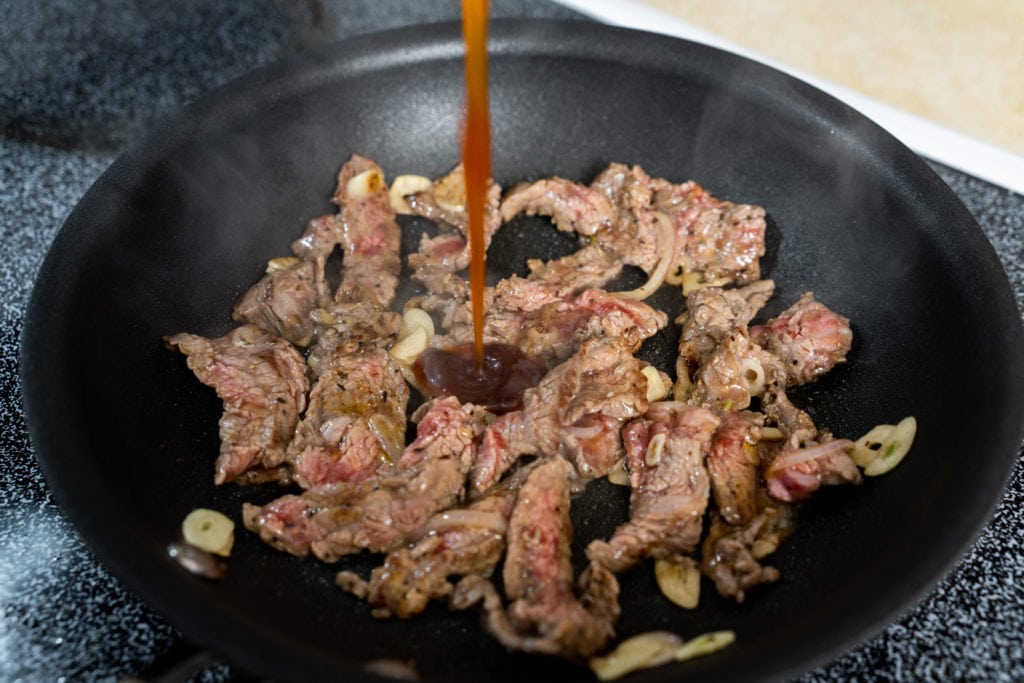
354,426
379,514
665,452
797,472
350,328
719,239
372,242
555,330
576,411
455,542
714,237
713,314
634,233
544,614
445,203
590,267
734,372
809,338
733,464
728,557
262,381
572,207
282,301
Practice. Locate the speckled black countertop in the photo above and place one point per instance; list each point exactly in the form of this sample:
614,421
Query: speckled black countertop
81,81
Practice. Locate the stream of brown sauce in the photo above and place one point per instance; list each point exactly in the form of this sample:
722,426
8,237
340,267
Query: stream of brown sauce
476,158
491,375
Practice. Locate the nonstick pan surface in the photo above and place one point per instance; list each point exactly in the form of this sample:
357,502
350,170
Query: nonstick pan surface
183,223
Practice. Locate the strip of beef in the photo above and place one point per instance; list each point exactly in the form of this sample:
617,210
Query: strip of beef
714,237
282,301
572,207
634,232
372,242
382,513
719,239
445,202
554,331
262,381
665,452
455,542
544,614
713,314
733,465
350,328
797,472
730,559
576,411
737,370
354,427
809,338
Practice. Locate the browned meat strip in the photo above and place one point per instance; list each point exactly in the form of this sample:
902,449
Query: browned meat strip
354,426
382,513
590,267
713,314
719,239
714,237
372,241
262,381
544,614
282,301
345,329
728,557
455,542
555,330
572,207
796,473
665,452
634,233
733,464
734,372
445,202
576,411
809,338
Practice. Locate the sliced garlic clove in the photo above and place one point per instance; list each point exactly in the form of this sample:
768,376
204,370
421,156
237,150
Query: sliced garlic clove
679,581
403,186
416,318
655,449
705,644
365,184
890,450
657,388
639,652
618,474
409,349
209,530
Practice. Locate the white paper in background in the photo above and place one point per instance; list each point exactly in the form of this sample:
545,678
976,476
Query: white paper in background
925,137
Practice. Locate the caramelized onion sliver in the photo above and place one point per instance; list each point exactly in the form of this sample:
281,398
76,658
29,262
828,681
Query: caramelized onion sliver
667,245
803,455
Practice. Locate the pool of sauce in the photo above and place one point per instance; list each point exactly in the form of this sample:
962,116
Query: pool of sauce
497,383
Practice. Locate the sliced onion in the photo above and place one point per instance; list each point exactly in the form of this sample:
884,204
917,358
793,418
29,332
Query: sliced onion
803,455
667,238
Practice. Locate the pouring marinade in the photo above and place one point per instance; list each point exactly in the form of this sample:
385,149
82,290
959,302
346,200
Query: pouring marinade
317,386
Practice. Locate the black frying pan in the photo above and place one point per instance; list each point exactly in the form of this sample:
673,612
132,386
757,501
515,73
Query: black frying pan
177,228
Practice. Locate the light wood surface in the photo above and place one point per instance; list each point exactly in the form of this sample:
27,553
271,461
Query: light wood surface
959,63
